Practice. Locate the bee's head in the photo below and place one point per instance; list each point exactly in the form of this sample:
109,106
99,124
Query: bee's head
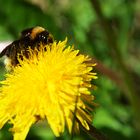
37,35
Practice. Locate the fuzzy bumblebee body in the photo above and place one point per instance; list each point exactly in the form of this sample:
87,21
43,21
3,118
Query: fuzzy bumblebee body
32,37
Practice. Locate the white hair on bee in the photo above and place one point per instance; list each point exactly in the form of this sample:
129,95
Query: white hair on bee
4,44
8,63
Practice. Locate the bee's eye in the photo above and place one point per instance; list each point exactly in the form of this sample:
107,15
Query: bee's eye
42,37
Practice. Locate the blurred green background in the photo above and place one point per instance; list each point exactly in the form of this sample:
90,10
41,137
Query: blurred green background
108,31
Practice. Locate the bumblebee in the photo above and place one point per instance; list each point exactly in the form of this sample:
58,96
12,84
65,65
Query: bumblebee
31,37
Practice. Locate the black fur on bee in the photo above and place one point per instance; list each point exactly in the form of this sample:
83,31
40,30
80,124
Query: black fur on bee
31,37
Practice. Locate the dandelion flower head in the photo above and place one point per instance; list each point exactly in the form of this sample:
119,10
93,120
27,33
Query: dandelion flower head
48,85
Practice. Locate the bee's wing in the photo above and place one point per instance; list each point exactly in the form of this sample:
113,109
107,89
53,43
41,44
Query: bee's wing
3,48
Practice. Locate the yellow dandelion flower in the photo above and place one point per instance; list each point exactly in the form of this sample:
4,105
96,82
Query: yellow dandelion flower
48,85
